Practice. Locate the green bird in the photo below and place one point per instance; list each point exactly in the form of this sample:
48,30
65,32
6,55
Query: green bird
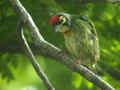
80,37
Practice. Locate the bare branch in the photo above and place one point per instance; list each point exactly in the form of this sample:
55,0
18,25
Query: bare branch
31,57
99,1
52,51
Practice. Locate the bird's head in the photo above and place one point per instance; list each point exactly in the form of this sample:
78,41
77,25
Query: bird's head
60,22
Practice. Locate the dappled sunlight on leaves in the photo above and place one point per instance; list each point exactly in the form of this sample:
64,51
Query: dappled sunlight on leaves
76,80
118,21
105,51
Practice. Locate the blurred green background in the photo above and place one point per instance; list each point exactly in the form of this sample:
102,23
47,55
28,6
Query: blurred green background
16,72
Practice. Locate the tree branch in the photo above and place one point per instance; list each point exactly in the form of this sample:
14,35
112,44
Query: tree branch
31,57
52,51
98,1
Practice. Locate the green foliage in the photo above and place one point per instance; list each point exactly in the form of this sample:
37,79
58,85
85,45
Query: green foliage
16,69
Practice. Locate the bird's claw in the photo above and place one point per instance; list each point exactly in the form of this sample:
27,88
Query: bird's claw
76,62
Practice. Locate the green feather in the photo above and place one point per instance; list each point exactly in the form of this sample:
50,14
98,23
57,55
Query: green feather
82,42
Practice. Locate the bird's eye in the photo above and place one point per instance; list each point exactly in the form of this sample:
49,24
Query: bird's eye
62,19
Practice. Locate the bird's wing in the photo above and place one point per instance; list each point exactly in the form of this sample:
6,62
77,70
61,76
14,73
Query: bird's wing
93,35
95,39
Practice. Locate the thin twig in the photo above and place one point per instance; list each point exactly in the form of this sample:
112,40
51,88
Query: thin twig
31,57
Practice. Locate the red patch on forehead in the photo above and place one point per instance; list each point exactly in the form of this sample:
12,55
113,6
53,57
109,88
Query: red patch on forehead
53,20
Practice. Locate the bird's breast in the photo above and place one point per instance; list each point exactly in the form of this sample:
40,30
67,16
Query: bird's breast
78,44
72,42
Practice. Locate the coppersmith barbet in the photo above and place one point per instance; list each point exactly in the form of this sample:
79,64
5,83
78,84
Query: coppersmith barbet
80,37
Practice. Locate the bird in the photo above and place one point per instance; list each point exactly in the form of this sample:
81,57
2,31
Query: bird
81,39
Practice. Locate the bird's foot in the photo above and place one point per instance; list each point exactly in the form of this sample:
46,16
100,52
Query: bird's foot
97,57
77,62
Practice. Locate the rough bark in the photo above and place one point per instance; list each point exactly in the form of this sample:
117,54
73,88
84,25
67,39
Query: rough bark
31,56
